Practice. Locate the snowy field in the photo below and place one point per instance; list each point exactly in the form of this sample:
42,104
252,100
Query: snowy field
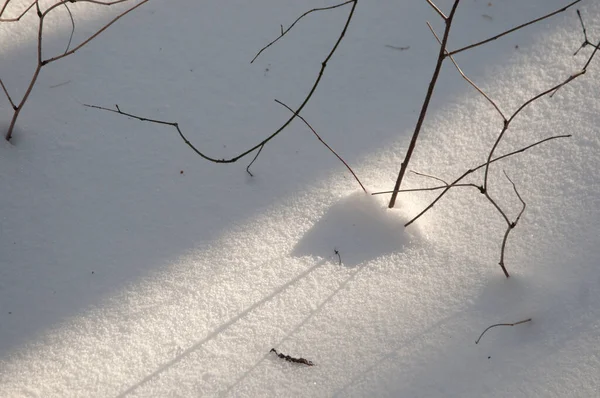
129,266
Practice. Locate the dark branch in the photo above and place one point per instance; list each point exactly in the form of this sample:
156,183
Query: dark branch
513,29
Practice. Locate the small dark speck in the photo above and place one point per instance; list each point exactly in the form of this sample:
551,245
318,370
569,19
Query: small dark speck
181,172
517,46
92,272
489,357
9,312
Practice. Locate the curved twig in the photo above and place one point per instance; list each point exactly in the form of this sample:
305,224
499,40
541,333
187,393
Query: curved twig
501,324
284,32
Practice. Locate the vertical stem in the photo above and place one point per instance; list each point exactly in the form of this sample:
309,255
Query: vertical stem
436,72
19,107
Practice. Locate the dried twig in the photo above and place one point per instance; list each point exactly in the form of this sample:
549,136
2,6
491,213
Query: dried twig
501,324
326,145
292,359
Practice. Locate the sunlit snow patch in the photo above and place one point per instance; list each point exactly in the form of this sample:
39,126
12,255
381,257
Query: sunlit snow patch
359,227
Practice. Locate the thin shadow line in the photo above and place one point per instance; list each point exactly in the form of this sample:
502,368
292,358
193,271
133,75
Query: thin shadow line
293,331
219,330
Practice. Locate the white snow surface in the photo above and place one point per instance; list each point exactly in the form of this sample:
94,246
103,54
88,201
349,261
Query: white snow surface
129,266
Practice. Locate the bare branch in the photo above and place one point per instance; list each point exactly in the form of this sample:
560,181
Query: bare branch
284,32
253,160
326,145
513,29
280,129
501,324
436,8
425,106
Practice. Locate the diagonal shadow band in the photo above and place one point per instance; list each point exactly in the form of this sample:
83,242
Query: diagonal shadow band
221,328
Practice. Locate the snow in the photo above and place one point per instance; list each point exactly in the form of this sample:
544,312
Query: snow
122,276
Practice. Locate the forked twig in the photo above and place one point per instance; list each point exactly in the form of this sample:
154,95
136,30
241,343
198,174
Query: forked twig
18,17
501,324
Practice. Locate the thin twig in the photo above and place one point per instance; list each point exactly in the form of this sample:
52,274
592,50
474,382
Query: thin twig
437,9
480,91
425,106
501,324
7,95
586,41
284,32
326,145
513,29
430,176
511,226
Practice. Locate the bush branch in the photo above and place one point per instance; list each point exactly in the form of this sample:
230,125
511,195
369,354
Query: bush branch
262,143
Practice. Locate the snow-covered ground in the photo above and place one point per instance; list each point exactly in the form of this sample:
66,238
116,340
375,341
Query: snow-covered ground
129,266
